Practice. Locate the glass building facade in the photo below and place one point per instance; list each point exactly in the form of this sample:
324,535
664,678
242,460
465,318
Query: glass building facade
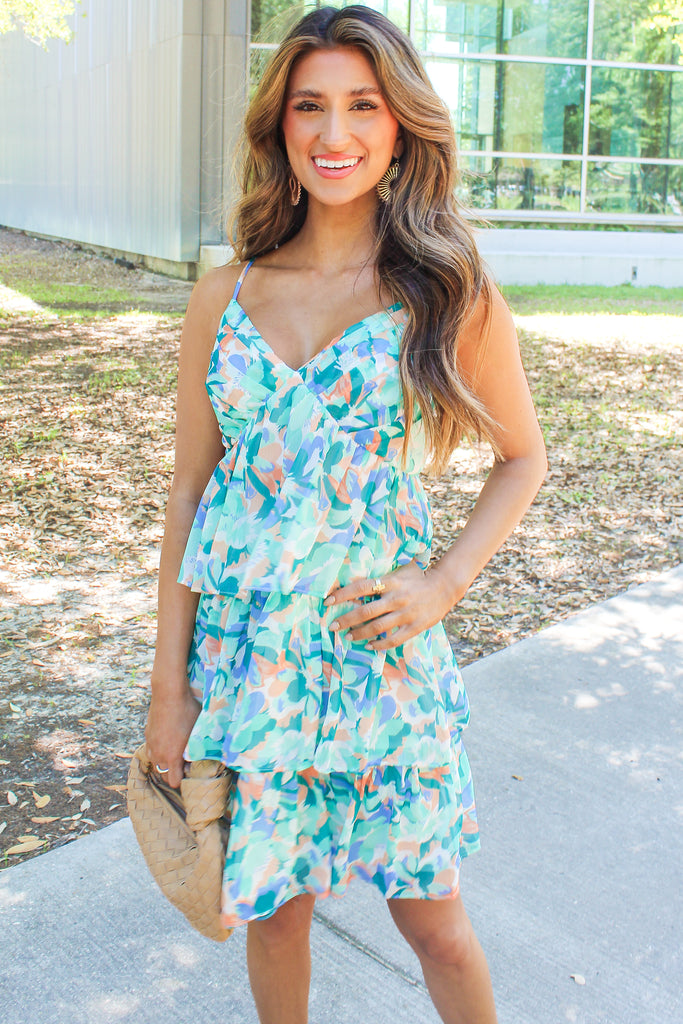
564,110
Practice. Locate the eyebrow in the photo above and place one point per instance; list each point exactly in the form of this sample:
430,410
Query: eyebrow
314,94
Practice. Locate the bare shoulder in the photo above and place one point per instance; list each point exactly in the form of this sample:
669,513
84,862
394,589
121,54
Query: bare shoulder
489,313
208,301
488,332
212,292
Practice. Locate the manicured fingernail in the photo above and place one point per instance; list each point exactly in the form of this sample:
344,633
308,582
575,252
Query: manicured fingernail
334,625
328,601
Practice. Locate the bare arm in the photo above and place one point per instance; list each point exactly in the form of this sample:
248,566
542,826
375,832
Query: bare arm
199,448
499,382
413,601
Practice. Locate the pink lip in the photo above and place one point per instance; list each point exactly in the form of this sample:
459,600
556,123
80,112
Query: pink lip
336,172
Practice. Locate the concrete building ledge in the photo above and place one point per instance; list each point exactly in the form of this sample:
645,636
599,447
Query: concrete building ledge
534,256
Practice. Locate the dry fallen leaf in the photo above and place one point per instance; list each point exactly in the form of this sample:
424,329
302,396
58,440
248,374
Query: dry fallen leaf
3,826
85,805
520,778
3,761
116,789
46,820
25,847
26,839
86,721
11,798
41,801
70,781
15,708
126,757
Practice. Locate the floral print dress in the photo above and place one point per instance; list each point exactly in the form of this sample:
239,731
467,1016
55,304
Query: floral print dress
349,760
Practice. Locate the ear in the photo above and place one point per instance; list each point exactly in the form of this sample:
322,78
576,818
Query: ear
398,147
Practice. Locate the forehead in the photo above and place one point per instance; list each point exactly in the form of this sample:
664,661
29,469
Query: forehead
343,68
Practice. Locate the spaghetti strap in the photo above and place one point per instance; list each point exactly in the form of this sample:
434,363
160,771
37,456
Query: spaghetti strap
241,279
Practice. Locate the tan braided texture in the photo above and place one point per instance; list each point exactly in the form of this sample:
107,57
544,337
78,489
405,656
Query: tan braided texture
183,836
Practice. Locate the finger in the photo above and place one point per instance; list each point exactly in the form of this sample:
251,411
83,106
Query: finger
400,636
357,590
175,775
168,771
374,629
362,613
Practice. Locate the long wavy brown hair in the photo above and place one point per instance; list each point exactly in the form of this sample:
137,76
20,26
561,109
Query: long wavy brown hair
426,257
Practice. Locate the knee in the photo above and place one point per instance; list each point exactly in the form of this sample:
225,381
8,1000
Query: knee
446,944
288,926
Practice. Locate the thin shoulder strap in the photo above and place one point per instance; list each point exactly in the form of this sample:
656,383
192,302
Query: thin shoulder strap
240,280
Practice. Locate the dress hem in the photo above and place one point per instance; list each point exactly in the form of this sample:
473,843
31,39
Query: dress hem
234,921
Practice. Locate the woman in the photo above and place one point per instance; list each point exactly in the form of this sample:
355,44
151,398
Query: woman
358,335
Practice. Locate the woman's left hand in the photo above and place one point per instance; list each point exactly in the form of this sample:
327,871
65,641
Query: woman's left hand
412,600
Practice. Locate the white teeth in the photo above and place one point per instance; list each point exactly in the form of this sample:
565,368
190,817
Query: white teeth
321,162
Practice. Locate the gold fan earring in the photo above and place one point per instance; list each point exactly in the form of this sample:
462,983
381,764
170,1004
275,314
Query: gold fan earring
384,183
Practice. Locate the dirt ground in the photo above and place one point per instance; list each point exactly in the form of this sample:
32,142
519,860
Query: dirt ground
86,446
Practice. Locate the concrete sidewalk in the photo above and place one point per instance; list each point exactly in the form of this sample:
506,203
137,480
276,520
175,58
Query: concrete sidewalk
576,752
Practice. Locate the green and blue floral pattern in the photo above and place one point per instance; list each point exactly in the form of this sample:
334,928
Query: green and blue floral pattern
350,760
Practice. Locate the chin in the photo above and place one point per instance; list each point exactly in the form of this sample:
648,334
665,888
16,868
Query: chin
345,200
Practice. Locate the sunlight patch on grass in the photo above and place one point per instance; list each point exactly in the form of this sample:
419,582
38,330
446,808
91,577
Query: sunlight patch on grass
604,330
16,303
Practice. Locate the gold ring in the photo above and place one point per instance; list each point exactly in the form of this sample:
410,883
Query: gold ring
378,587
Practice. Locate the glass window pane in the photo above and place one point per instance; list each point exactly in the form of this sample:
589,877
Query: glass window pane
524,108
270,19
396,10
635,188
636,113
491,183
534,28
646,31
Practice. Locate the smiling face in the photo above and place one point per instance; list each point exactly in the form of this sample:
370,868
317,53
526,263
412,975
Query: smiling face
339,132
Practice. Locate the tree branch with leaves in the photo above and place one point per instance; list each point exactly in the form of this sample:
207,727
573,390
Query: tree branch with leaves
40,20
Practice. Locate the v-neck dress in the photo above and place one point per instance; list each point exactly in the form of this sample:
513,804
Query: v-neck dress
349,760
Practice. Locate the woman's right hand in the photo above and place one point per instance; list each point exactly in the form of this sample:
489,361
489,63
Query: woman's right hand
169,724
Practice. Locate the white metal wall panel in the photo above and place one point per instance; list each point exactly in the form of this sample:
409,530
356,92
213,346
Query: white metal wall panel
101,139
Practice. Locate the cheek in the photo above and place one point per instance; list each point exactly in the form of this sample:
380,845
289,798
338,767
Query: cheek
291,132
388,130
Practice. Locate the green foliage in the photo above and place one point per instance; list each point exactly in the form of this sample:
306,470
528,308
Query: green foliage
40,20
644,31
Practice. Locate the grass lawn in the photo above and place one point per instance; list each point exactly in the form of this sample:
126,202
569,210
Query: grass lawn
622,300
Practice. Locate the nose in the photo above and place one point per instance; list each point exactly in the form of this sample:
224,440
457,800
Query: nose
335,130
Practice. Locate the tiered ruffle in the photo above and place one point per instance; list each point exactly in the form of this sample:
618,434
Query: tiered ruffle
279,689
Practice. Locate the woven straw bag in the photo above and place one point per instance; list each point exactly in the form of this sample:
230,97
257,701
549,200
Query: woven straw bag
183,835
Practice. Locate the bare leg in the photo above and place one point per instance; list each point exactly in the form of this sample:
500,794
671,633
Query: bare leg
279,962
453,962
